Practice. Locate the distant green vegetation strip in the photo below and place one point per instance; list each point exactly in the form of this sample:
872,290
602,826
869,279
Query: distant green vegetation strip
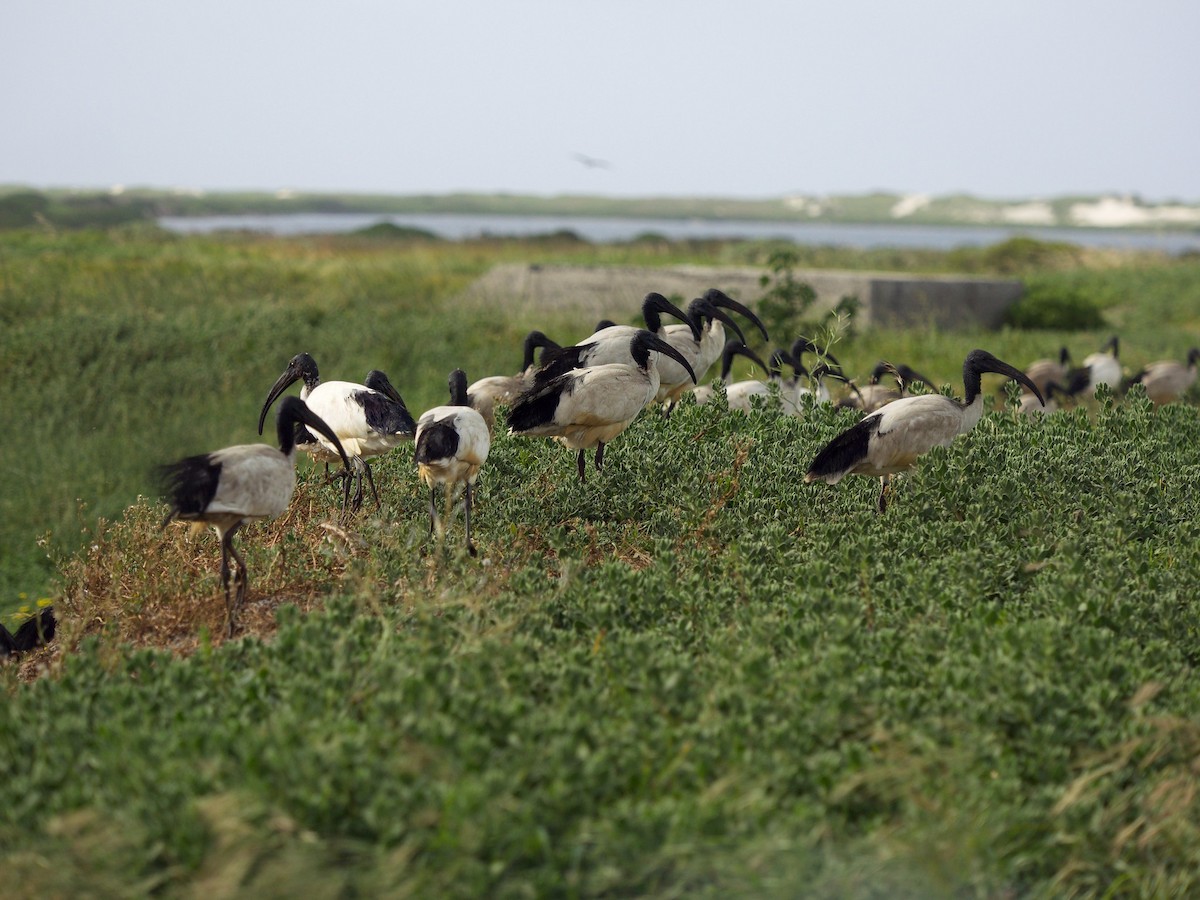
22,207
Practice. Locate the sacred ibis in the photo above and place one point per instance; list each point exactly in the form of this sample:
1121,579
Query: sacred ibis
891,439
1103,367
1043,371
738,393
367,421
673,378
589,406
452,444
487,393
1031,405
611,344
229,487
713,339
1167,380
875,395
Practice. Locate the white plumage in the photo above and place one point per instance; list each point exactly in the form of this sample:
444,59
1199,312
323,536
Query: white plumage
701,343
1104,367
611,344
367,421
452,444
1044,371
487,393
587,407
234,485
891,439
1167,380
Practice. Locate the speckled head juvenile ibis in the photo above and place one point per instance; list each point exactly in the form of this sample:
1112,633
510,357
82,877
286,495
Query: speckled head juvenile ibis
452,444
366,421
1167,380
588,407
892,438
229,487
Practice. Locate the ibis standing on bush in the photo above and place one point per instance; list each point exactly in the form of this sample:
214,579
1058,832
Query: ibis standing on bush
452,444
229,487
588,407
367,422
890,440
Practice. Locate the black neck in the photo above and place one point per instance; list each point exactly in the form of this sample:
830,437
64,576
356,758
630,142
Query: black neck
458,388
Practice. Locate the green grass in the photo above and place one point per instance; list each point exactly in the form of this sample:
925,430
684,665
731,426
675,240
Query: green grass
693,675
126,347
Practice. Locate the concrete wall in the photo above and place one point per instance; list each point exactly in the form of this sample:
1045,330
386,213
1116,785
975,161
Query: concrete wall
886,300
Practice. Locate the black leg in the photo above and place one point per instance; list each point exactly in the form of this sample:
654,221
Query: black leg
467,517
883,487
371,481
581,464
599,456
227,549
432,509
346,475
359,465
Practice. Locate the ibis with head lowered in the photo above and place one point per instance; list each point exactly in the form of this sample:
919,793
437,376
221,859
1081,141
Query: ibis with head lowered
892,438
1167,380
452,444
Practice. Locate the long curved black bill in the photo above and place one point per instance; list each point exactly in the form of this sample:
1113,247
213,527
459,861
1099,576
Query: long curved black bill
653,342
656,304
702,307
281,384
982,361
720,298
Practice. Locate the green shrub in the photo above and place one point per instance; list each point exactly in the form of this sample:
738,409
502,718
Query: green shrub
1056,307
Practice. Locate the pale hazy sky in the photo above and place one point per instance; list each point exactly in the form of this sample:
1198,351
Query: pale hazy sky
757,98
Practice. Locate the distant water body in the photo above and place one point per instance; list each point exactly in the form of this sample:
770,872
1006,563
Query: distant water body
597,229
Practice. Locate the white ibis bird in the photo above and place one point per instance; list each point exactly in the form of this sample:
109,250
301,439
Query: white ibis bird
1030,404
229,487
1043,371
1167,380
611,344
738,393
452,444
713,340
891,439
694,341
486,394
875,395
367,421
1103,367
589,406
826,367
